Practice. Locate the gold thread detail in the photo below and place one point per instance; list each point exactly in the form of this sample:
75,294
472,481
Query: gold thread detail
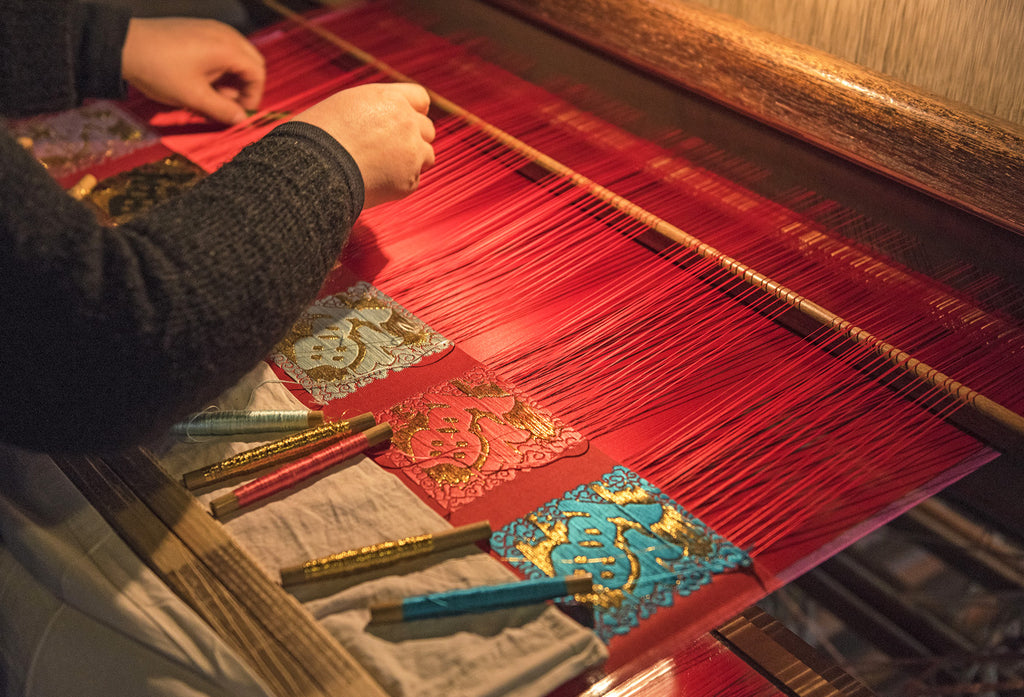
369,556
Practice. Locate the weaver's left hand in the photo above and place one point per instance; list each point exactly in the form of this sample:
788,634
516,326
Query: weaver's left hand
199,64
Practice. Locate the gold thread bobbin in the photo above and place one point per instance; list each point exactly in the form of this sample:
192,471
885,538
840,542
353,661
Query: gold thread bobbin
383,554
276,453
366,557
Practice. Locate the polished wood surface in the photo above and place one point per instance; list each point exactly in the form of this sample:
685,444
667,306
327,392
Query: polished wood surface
966,52
776,651
973,161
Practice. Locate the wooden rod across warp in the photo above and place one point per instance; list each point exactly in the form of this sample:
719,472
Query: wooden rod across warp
965,158
193,554
1000,426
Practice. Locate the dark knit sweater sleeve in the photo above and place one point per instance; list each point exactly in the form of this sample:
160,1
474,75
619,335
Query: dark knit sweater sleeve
55,53
109,335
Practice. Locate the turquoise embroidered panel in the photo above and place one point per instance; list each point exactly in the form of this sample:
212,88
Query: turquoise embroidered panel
640,546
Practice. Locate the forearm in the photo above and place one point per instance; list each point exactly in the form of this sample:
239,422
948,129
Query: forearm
54,53
114,333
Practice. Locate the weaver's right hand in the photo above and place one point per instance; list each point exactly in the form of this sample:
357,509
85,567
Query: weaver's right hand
386,130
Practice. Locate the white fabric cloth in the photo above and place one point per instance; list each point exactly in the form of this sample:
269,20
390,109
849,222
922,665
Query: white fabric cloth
81,615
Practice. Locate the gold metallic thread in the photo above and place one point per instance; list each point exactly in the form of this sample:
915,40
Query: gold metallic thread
367,557
84,186
460,470
122,197
260,457
673,528
525,417
694,540
396,326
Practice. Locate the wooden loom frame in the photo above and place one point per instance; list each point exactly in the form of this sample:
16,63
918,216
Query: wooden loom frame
279,640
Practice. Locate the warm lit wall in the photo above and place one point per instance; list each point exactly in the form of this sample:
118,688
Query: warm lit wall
970,51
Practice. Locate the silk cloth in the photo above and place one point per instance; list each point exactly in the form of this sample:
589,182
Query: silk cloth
81,614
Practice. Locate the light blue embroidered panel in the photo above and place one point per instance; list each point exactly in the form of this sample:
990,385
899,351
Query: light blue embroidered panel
640,546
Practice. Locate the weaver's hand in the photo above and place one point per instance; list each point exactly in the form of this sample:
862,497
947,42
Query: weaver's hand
199,64
386,130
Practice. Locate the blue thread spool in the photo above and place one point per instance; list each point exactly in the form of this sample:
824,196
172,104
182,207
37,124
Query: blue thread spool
481,599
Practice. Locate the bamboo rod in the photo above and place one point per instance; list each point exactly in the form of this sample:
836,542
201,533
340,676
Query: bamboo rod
1004,428
194,555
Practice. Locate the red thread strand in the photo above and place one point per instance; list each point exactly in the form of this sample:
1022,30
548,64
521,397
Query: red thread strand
298,471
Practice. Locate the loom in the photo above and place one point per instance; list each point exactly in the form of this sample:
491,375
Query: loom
793,335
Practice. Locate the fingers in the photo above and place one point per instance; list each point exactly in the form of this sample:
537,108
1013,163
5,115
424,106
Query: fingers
217,106
416,95
243,75
427,130
428,134
386,130
428,159
237,89
419,100
203,65
248,47
252,77
229,91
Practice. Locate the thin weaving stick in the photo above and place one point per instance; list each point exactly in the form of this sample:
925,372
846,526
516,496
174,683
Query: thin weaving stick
196,558
1001,426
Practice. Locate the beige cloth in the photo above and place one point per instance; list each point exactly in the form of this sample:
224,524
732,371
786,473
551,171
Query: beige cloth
81,615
